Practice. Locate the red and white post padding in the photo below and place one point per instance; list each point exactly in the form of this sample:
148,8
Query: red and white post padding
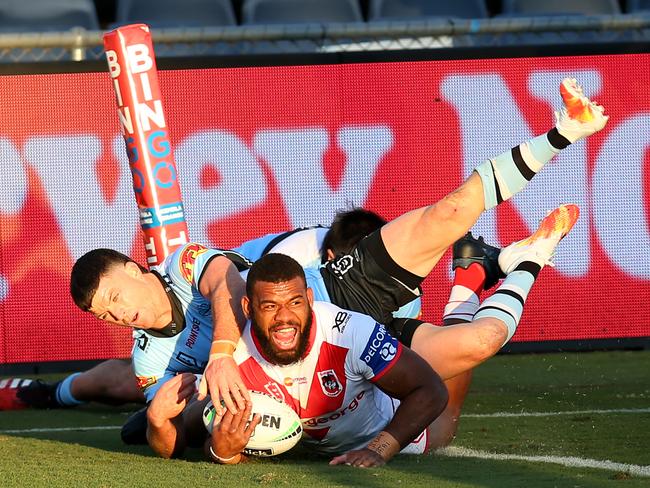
132,66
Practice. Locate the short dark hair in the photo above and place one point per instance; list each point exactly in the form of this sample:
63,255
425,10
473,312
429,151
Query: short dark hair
347,229
88,270
273,268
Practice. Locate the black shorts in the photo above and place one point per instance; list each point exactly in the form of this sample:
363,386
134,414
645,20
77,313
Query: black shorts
369,281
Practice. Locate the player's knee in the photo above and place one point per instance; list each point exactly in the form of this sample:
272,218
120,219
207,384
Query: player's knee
452,205
445,209
491,335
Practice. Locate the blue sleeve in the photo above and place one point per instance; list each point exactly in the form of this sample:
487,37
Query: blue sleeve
186,265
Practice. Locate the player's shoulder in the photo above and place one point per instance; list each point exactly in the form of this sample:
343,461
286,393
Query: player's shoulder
339,325
187,262
302,244
182,260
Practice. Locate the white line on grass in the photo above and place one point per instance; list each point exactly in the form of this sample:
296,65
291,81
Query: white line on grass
570,461
468,415
61,429
550,414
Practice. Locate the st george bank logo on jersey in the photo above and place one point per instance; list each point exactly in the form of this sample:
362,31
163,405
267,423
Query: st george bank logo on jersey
187,258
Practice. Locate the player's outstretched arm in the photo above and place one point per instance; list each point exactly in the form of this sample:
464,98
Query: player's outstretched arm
422,396
224,287
165,431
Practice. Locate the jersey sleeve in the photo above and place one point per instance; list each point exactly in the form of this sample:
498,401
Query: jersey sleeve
186,265
374,350
149,366
254,248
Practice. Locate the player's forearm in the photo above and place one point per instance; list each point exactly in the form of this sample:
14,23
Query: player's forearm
227,315
414,414
166,436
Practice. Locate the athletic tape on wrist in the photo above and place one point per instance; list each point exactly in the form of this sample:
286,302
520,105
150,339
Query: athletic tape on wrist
385,445
221,460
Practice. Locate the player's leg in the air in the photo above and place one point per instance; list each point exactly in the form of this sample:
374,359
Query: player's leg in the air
417,240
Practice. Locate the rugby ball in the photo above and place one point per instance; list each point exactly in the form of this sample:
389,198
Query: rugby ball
279,430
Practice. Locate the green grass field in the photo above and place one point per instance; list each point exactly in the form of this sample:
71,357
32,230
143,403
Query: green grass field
608,393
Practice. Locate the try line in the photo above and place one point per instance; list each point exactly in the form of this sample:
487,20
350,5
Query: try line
468,415
550,414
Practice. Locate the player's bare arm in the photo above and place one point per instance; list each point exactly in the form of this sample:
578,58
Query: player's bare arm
230,435
166,432
422,396
224,287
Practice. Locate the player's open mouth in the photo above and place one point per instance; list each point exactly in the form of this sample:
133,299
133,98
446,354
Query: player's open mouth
285,337
134,318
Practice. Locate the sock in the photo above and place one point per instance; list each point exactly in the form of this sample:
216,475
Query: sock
509,172
64,393
507,303
463,299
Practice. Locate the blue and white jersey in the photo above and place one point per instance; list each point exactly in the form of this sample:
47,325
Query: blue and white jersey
303,245
160,355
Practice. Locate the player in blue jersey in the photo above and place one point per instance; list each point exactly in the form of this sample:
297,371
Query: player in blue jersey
113,382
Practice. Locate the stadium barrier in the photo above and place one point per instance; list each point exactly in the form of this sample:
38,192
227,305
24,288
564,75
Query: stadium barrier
267,148
79,44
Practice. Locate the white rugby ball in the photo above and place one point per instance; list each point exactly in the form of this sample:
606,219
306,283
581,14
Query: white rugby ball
279,430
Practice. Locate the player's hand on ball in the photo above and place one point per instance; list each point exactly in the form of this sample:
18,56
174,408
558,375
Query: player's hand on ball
231,434
363,458
171,398
221,379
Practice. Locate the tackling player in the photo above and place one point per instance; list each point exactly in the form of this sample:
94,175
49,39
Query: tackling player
113,381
